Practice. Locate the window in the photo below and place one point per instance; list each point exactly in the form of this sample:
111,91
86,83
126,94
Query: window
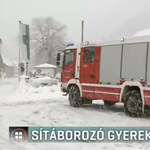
69,58
89,54
134,60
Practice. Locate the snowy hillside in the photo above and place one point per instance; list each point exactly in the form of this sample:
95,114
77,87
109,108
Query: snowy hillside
23,105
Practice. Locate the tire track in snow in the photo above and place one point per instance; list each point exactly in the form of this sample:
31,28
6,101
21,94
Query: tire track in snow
116,110
5,144
31,102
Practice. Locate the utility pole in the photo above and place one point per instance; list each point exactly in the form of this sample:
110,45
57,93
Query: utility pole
20,40
26,68
1,57
82,32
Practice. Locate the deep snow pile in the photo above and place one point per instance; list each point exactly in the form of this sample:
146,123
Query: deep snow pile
7,88
6,81
45,106
27,88
23,91
27,91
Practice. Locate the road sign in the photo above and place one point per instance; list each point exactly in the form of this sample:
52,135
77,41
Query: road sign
39,71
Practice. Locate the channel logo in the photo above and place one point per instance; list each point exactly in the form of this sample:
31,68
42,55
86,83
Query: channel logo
18,134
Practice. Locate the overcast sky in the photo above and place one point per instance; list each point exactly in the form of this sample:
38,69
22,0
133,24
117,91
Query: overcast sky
102,17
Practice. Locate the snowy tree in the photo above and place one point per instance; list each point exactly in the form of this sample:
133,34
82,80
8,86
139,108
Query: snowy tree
47,36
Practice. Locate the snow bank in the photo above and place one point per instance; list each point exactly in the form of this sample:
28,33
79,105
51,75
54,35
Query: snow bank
45,66
24,87
13,91
44,106
6,81
26,92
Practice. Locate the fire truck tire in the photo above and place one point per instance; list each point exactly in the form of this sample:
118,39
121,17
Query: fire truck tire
108,103
133,104
74,97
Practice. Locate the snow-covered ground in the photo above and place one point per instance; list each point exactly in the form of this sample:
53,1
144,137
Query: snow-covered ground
23,105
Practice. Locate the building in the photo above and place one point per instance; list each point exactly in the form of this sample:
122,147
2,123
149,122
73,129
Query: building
1,61
46,68
8,67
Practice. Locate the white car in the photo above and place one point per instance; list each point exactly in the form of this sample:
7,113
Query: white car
43,81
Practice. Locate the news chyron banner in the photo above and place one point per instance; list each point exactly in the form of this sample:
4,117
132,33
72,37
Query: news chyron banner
79,134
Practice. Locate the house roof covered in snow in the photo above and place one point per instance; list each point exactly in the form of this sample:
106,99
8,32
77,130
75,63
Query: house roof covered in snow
143,32
6,61
46,65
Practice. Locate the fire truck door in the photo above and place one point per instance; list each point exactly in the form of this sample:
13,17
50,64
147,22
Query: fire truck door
68,71
89,65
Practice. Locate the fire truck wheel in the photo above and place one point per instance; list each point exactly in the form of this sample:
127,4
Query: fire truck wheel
74,97
133,104
108,103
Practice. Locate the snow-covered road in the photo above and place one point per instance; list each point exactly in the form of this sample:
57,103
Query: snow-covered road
23,105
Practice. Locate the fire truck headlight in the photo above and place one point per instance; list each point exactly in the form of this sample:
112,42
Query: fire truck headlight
122,39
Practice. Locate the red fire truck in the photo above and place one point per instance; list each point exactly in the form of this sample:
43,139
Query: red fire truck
115,71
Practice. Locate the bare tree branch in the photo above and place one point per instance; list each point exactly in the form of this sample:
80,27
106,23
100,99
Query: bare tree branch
47,35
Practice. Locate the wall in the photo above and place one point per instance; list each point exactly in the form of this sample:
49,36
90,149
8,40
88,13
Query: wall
52,71
9,71
1,62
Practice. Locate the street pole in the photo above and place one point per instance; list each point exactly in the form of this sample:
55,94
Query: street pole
19,67
26,68
0,65
82,32
1,57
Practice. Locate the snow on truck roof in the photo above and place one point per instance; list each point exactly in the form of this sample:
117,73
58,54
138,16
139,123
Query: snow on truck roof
143,32
128,40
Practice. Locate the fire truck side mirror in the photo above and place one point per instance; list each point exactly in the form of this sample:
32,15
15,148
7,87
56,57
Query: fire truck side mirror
59,61
58,57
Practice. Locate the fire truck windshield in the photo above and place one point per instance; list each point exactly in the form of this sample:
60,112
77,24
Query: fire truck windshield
69,57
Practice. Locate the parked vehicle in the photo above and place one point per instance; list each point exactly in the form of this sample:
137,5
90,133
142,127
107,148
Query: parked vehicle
114,71
43,80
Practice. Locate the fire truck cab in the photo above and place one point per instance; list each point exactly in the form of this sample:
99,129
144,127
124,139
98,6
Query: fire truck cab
115,71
